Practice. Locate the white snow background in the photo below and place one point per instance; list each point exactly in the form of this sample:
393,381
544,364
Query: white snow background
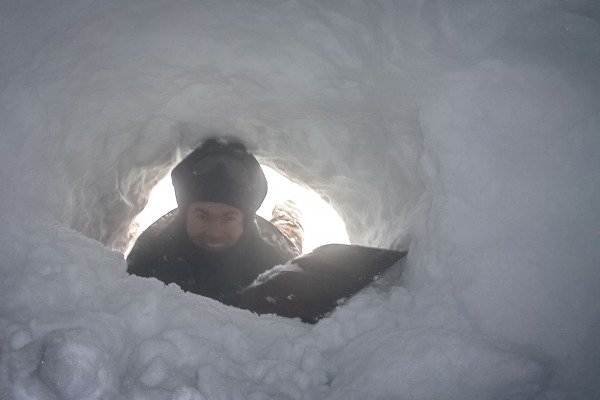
468,131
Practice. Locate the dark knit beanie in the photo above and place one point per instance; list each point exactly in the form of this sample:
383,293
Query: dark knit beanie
221,172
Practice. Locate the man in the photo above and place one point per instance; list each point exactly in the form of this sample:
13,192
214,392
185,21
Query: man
212,245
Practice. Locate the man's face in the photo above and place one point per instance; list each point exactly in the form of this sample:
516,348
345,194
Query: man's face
214,226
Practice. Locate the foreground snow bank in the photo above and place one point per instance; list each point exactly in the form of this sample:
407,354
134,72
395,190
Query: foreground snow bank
80,327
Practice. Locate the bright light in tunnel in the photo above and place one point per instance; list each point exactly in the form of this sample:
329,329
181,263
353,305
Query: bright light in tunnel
322,224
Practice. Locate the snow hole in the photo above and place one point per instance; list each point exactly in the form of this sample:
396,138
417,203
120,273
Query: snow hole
322,224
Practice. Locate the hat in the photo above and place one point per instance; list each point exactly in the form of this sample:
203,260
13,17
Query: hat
222,172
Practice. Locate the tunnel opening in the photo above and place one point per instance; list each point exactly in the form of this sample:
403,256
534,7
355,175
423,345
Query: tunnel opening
320,221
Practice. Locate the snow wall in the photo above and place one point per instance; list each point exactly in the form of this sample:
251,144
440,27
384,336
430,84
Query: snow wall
467,131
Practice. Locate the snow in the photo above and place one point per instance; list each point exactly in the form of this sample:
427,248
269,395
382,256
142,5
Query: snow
466,131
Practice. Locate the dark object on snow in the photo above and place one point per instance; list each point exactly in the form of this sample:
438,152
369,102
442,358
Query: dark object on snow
311,286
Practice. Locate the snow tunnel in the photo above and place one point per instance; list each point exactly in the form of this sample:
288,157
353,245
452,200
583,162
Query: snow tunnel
466,132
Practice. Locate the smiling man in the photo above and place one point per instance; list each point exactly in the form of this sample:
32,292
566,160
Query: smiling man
212,244
214,226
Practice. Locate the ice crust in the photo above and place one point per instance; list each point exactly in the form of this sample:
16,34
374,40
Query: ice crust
467,131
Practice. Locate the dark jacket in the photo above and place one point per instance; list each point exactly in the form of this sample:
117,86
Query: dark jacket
164,251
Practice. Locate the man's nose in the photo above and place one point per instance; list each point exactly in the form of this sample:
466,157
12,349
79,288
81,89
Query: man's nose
214,226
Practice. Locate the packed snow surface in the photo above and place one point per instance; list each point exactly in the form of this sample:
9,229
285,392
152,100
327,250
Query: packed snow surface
466,131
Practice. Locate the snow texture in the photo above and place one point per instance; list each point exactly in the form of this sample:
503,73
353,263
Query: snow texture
467,131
